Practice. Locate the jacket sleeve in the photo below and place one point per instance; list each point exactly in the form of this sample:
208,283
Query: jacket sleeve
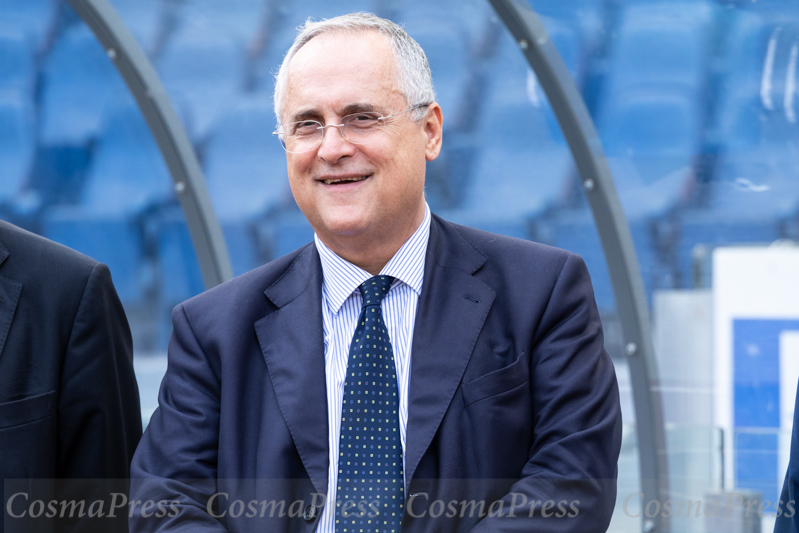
787,518
569,481
99,415
174,470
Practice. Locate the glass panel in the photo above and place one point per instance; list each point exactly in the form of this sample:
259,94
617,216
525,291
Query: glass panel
694,104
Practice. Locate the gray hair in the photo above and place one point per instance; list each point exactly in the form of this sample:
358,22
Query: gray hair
415,78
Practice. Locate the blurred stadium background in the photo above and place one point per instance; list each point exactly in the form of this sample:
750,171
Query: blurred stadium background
695,103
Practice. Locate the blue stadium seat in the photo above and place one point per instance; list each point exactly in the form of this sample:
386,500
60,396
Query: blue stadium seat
128,172
661,44
447,49
651,140
245,169
113,239
19,70
142,18
241,19
512,79
522,163
575,230
78,79
756,63
752,199
288,231
34,17
511,226
205,73
295,12
521,171
470,16
17,143
179,276
245,165
753,196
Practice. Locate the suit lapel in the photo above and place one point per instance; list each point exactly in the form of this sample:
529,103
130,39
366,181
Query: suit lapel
9,296
292,342
450,314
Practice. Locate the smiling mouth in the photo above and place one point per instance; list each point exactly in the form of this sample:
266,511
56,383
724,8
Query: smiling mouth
334,181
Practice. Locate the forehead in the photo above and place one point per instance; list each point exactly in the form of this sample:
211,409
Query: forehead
338,69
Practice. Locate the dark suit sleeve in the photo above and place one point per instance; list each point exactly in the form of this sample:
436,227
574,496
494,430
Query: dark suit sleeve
577,419
99,416
788,520
176,461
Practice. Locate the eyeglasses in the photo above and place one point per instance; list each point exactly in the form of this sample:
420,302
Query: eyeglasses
307,135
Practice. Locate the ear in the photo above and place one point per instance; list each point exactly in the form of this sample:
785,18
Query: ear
433,123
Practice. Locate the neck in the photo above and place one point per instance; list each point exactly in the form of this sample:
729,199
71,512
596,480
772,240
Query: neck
373,252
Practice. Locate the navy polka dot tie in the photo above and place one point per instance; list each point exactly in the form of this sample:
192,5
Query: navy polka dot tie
370,485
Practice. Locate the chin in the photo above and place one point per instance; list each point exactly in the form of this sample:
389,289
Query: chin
345,225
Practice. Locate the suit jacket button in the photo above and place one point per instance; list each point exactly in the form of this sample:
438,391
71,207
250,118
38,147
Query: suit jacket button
310,513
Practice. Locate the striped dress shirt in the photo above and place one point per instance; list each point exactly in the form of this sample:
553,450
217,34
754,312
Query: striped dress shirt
341,306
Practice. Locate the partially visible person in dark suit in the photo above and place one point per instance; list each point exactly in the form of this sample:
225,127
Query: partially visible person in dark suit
788,521
69,403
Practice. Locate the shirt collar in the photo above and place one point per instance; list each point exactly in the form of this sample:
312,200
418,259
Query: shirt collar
342,278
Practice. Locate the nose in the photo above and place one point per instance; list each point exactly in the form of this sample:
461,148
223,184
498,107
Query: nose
334,146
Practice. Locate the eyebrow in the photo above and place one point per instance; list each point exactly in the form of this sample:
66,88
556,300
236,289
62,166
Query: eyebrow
314,113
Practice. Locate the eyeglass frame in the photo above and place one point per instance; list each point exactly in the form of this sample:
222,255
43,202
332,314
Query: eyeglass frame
322,127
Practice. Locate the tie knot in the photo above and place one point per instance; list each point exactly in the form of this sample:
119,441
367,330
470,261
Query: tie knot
373,290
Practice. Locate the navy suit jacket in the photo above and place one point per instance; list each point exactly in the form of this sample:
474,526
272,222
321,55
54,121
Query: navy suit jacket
69,404
513,401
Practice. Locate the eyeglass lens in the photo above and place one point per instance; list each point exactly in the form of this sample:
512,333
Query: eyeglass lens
307,135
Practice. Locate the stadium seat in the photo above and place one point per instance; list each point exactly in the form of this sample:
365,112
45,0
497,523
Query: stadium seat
576,231
179,276
127,173
78,80
522,162
447,50
142,18
113,239
663,44
204,72
245,165
293,13
752,199
19,70
521,171
240,19
287,231
753,196
471,16
35,18
650,113
17,143
651,140
510,225
245,169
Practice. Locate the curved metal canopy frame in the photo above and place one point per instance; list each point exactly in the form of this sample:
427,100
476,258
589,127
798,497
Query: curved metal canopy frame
578,130
189,182
614,232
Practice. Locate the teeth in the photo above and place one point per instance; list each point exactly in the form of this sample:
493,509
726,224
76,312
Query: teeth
340,180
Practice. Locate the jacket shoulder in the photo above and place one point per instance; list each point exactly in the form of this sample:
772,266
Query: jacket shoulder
503,250
27,255
241,290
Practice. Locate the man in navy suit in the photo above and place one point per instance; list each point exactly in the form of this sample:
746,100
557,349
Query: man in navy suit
69,404
506,405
